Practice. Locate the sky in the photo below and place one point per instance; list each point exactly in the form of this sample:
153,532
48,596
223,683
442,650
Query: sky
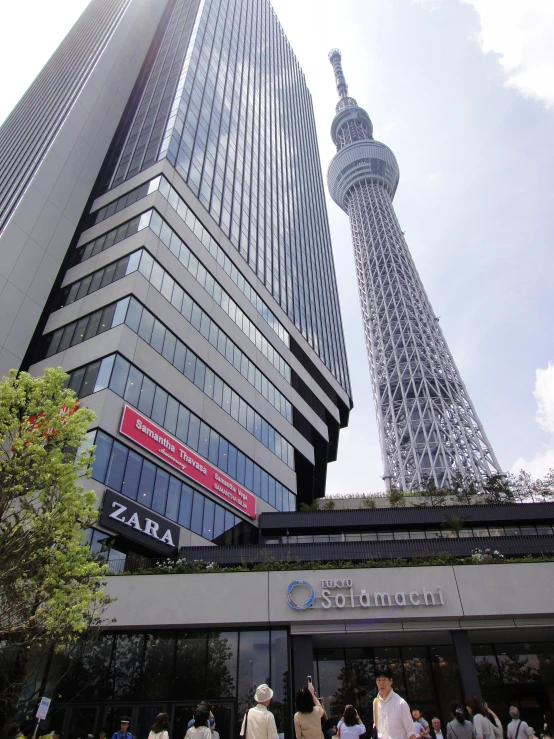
463,92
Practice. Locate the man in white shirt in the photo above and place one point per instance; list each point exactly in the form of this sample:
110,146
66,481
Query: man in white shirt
391,714
259,723
518,729
436,733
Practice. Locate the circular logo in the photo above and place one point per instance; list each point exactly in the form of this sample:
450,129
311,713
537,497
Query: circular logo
300,606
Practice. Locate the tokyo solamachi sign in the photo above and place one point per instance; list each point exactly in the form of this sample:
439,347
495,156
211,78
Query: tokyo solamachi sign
341,593
166,447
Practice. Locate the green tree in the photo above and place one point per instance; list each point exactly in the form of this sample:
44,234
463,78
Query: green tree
329,505
497,489
369,503
465,489
454,523
396,497
50,590
430,494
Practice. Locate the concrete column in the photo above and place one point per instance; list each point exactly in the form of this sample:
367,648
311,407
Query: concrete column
303,661
466,663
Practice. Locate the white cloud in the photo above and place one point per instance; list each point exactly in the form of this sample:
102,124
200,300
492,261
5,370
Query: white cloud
521,34
544,395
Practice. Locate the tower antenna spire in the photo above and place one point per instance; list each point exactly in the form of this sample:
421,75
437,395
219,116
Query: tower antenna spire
335,58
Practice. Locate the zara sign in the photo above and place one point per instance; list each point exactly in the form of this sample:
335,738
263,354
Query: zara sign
132,521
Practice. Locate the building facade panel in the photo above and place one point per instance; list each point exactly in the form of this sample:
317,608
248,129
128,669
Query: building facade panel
51,150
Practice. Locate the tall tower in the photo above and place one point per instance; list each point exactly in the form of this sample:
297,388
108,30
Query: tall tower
427,423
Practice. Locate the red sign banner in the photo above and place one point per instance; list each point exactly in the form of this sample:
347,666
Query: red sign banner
150,436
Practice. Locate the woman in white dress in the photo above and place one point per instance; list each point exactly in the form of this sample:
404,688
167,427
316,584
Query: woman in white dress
160,727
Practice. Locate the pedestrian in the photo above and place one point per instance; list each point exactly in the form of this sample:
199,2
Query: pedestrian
102,734
259,722
484,728
215,734
210,714
518,729
459,727
495,721
418,716
436,729
123,732
160,727
309,714
200,728
391,714
350,726
418,728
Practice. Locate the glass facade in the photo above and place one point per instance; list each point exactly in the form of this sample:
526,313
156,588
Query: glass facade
241,133
130,473
141,673
424,676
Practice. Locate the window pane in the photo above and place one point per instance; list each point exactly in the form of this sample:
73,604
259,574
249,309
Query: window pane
160,491
119,375
158,408
146,396
132,475
197,513
208,523
204,440
185,507
133,386
116,468
146,486
194,432
103,448
173,496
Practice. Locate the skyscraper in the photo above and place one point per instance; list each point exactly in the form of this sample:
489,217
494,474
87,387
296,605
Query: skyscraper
427,423
196,307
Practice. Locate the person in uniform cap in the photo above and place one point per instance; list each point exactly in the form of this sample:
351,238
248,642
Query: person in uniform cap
259,723
123,733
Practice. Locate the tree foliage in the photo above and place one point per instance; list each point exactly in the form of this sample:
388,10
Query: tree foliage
50,590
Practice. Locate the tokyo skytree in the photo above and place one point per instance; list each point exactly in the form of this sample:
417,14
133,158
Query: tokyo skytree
427,423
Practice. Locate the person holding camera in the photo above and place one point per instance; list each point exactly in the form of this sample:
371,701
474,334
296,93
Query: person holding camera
350,726
309,713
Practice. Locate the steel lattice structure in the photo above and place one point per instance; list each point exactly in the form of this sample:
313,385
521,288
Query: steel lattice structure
427,423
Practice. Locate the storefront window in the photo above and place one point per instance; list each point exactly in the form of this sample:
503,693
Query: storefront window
254,667
417,672
486,664
190,669
126,666
331,665
157,668
518,664
222,664
445,668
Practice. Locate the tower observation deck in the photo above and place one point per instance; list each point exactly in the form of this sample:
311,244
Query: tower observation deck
427,423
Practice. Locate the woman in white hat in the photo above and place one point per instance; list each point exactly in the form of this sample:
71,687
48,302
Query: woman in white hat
258,722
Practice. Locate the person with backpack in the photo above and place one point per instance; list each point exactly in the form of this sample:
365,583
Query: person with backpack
258,722
518,729
484,727
459,727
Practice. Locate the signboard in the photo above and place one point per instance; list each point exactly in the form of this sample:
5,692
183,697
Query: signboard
126,517
342,592
152,437
43,707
